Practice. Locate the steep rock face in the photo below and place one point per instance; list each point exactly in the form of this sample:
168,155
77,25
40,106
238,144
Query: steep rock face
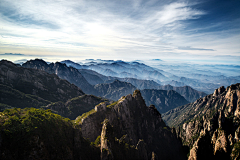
162,99
202,148
63,71
35,82
76,106
217,113
130,116
118,149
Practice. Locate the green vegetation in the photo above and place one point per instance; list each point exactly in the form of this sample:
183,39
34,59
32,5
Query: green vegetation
24,129
28,120
84,115
41,134
97,142
113,104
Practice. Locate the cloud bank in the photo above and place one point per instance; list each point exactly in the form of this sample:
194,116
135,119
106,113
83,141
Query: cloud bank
132,29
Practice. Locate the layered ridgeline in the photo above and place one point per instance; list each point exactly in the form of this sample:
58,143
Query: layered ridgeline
162,99
125,130
96,79
210,125
113,90
202,78
123,69
128,129
21,82
24,87
70,74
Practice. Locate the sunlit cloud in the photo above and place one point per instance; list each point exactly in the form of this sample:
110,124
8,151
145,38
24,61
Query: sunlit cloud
123,29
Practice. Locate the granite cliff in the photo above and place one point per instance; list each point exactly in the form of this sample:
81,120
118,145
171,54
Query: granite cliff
210,125
129,119
126,129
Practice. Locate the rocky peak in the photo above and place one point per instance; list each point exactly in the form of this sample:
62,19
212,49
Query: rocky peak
219,91
130,116
106,138
217,114
7,63
37,64
202,148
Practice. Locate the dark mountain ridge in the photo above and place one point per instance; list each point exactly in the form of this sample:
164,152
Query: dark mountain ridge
127,129
36,82
25,87
75,106
68,73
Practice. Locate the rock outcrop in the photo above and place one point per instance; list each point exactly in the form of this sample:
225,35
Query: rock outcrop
131,117
216,114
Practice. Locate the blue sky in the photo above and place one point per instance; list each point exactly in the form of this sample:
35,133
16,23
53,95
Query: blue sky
185,30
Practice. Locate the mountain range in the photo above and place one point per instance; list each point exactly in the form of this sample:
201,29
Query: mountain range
114,90
25,87
114,119
203,78
36,82
61,70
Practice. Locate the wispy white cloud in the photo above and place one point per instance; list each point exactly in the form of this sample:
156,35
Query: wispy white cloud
190,48
97,28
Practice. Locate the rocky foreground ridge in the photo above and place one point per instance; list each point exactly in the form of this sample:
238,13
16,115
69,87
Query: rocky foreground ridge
210,126
126,129
131,121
